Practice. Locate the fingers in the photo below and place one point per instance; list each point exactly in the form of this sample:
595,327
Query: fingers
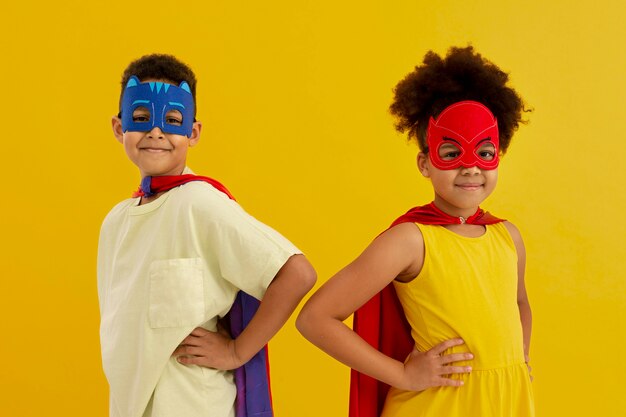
443,346
530,372
447,382
452,370
187,350
199,332
448,370
191,341
196,336
456,357
190,360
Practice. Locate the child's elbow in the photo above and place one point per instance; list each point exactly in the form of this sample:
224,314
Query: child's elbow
304,275
308,277
304,321
307,320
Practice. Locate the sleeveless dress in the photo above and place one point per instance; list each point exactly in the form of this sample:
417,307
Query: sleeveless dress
467,288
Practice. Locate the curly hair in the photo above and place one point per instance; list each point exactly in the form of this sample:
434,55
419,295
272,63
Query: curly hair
439,82
160,67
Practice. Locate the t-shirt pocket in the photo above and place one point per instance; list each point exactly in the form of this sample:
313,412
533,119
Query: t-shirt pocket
176,293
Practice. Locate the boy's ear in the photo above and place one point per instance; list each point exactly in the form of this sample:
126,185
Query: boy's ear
423,164
196,129
116,125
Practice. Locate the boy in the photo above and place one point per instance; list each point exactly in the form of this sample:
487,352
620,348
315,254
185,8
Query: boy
172,260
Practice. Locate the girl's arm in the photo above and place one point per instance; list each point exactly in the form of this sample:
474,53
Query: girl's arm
399,252
522,297
218,350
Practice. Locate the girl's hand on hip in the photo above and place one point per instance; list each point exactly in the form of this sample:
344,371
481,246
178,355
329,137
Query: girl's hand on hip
530,369
429,369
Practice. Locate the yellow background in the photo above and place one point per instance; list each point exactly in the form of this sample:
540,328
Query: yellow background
294,97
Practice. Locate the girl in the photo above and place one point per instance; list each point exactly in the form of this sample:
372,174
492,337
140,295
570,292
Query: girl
457,271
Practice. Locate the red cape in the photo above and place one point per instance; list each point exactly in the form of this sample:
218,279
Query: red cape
381,321
153,185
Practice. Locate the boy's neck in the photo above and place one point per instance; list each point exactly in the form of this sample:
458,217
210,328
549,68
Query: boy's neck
145,200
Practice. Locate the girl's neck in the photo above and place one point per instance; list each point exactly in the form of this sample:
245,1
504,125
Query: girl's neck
454,211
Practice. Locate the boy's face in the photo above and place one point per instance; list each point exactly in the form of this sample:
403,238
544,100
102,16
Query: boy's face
154,152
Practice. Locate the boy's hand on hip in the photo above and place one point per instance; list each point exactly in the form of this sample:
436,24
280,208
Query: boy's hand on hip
209,349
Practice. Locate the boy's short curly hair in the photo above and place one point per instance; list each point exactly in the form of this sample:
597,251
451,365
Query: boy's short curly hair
439,82
160,67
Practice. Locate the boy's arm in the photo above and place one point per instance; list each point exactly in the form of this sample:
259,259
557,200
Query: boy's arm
522,297
218,350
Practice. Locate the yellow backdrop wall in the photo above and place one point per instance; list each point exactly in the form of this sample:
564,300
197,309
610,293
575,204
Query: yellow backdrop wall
294,97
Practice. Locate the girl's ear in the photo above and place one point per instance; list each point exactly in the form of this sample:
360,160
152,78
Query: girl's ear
423,164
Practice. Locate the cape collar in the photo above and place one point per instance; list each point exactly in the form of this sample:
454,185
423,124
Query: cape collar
430,214
154,185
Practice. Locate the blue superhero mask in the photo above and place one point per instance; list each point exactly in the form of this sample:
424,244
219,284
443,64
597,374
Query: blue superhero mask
158,98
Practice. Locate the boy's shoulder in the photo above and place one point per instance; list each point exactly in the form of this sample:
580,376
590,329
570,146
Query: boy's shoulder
196,199
200,195
120,208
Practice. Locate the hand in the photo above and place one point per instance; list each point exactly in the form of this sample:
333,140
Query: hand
424,370
208,349
530,369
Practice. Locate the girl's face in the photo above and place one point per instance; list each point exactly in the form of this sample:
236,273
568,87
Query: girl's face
459,191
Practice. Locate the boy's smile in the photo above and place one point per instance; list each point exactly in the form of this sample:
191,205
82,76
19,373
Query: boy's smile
155,152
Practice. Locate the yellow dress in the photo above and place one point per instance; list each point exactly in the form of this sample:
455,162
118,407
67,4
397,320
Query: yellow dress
467,288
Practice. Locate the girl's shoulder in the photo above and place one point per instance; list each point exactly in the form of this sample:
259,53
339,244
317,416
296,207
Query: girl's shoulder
516,236
403,234
405,240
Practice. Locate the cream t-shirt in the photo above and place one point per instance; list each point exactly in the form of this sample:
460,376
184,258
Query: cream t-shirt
165,268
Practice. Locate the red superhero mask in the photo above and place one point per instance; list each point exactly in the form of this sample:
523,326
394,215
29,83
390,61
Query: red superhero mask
467,126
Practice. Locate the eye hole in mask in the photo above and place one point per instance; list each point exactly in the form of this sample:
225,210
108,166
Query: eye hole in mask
486,151
451,150
174,118
448,151
141,115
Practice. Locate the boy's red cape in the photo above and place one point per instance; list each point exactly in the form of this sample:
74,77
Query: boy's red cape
153,185
254,396
381,321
